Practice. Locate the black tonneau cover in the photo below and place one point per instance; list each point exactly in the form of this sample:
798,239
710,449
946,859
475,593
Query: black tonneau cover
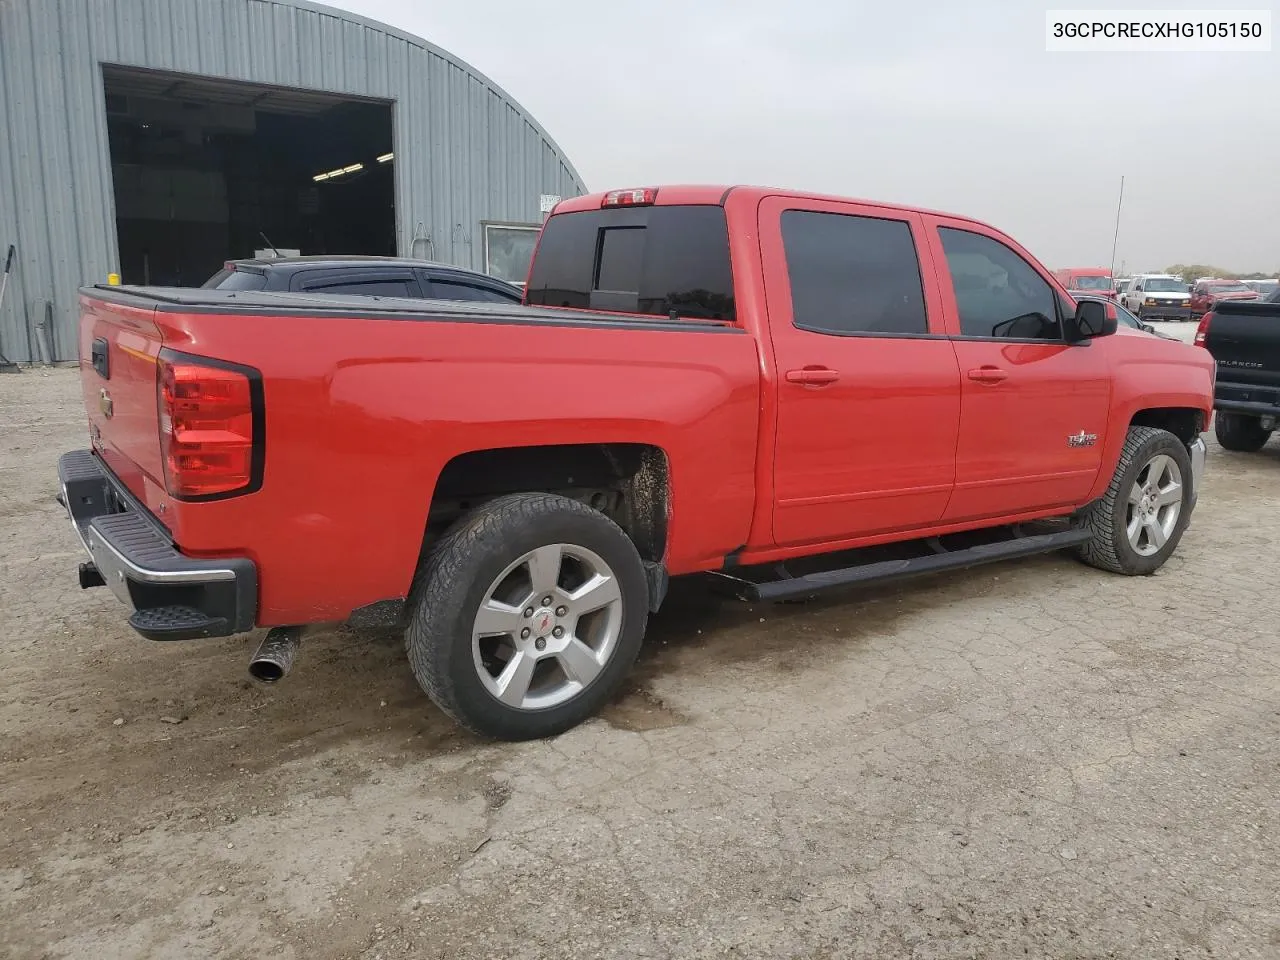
260,303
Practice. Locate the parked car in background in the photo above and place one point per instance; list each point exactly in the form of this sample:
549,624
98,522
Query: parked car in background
1205,293
1243,337
1264,287
363,276
1158,296
520,482
1091,281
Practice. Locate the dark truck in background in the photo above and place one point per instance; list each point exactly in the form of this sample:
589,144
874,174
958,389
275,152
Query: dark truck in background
1243,337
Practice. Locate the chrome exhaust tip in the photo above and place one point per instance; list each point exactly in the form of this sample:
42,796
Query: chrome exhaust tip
273,659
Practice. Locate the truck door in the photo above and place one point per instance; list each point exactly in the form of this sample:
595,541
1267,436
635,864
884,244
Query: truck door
868,388
1033,408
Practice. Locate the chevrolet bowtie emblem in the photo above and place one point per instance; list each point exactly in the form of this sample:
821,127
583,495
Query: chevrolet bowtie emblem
106,404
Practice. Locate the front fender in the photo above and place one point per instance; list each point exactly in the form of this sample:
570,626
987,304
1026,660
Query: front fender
1154,378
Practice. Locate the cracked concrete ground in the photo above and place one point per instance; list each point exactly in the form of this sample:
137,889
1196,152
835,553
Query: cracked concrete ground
1027,760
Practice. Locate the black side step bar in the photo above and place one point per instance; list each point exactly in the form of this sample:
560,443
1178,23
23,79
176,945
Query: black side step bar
898,569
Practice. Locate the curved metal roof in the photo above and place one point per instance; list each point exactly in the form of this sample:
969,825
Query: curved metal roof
427,46
466,152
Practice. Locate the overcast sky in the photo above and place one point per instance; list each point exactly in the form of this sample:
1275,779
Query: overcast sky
934,103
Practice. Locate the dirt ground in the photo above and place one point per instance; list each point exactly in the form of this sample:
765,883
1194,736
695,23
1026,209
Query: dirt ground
1027,760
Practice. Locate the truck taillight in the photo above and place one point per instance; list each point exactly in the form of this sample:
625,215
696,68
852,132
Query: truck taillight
630,198
1202,330
211,427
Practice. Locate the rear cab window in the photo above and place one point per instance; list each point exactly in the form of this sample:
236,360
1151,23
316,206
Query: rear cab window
655,261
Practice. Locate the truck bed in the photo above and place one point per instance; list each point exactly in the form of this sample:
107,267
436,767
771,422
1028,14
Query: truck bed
369,403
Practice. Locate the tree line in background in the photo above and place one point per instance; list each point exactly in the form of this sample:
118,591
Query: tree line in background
1190,272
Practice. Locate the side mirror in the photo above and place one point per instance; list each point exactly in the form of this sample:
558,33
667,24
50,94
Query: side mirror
1148,328
1093,318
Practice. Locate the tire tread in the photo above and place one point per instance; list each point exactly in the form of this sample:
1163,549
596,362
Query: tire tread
1100,516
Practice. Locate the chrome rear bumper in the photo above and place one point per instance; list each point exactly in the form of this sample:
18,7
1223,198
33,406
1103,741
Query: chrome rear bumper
172,596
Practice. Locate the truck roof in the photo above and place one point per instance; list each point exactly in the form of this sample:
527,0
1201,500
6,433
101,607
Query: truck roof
716,195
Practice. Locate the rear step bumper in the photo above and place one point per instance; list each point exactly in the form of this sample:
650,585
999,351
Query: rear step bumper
173,596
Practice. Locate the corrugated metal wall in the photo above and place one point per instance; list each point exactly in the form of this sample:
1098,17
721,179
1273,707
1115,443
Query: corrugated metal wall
465,151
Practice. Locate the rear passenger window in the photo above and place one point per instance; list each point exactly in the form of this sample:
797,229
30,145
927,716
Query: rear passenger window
852,275
366,288
998,293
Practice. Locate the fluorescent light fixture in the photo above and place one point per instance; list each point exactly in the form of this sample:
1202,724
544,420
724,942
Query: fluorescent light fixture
331,174
385,157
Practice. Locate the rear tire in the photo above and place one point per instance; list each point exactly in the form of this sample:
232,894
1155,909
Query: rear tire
489,650
1240,432
1139,521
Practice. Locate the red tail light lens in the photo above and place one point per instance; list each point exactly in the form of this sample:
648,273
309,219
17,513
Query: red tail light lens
210,427
1202,330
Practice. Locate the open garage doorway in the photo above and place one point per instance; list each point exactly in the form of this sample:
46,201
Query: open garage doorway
203,169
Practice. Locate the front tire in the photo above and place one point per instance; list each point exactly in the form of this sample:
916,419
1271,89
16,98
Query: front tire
529,612
1139,521
1240,432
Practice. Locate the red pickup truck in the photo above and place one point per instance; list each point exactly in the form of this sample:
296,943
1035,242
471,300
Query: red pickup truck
787,392
1207,293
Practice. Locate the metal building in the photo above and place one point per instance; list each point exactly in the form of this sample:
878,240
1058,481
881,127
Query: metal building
155,138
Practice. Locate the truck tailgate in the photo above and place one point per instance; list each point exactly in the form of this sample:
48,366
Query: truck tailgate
118,348
1244,338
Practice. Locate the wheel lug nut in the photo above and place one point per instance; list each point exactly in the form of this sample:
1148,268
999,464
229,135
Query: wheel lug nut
561,611
546,601
524,634
540,643
528,612
558,632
